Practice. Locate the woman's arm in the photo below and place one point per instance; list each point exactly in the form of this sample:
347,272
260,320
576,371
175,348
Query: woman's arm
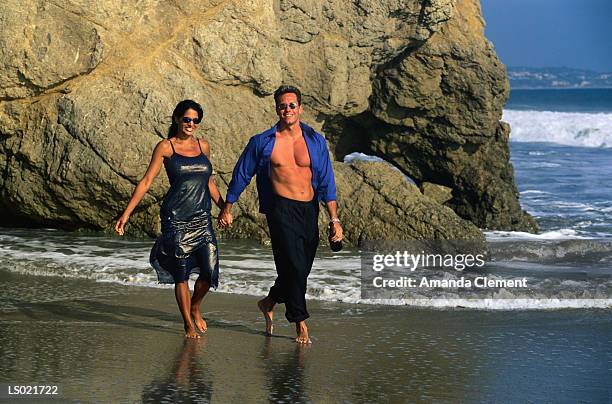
212,185
143,186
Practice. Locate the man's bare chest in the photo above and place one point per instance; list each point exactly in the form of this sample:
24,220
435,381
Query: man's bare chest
290,153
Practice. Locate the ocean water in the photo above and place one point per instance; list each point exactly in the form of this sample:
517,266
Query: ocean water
581,118
595,100
561,149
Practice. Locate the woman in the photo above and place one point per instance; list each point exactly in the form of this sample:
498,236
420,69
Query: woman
187,243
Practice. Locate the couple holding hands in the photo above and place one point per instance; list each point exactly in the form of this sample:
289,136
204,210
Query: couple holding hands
293,173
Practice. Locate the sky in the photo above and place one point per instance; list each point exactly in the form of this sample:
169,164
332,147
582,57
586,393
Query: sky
551,33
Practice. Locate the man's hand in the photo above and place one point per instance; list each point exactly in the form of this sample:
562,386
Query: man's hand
338,234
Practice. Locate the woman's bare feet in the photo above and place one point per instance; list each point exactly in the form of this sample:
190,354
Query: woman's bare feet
198,320
268,311
190,332
302,333
200,289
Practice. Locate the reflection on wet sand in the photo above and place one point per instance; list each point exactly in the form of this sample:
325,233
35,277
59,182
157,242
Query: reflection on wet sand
188,381
284,371
125,345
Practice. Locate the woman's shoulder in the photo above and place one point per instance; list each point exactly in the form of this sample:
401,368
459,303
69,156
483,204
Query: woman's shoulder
204,145
164,147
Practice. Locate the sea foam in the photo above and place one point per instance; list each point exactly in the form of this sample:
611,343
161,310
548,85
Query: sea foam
565,128
335,277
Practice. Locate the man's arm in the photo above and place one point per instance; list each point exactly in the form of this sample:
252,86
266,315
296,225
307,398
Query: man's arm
327,188
327,181
244,170
335,221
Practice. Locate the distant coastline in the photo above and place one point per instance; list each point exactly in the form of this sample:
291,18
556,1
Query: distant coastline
553,78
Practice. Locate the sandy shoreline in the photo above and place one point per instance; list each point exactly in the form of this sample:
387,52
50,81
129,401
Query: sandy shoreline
107,342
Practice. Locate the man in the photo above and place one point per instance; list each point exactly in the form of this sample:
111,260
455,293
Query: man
294,173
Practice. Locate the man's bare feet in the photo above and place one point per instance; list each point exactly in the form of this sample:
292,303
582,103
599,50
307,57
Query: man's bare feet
268,312
302,333
190,332
198,320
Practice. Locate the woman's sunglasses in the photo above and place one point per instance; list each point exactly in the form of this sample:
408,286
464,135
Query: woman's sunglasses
196,121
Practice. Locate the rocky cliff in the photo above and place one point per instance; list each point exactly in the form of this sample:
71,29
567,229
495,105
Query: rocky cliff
87,89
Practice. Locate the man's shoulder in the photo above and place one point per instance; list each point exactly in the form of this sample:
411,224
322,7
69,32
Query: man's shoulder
260,138
310,131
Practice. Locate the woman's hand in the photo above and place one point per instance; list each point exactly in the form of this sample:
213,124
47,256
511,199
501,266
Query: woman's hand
225,217
119,227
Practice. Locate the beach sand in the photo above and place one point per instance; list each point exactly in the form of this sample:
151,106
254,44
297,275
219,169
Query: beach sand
105,342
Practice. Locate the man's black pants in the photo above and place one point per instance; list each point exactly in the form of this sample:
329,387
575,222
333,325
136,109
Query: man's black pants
294,232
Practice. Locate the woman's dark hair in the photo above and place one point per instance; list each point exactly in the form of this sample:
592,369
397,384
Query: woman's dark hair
287,89
179,111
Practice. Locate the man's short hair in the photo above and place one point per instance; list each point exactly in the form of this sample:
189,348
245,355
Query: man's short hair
287,89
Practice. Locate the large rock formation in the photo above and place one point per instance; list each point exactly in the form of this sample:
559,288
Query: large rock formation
86,91
434,112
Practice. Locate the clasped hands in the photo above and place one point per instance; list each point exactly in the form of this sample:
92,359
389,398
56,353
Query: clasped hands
225,218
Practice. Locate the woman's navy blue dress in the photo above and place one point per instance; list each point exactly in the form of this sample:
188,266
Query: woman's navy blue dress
187,243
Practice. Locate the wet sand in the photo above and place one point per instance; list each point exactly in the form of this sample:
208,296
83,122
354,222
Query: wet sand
114,343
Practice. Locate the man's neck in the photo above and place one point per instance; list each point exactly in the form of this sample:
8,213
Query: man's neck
290,130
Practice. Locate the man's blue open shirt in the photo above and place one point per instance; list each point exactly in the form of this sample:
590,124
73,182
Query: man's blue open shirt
255,159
